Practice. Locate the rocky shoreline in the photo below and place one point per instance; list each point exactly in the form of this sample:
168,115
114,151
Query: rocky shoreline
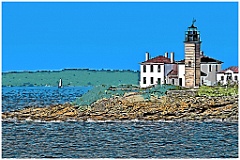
133,106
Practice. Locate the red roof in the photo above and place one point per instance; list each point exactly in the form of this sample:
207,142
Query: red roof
158,59
232,68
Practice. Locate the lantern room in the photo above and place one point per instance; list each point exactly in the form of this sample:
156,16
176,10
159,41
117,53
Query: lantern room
192,34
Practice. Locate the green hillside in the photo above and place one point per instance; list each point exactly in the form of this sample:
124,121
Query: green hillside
70,77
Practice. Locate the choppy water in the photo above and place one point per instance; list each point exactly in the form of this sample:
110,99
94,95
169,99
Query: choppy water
32,139
119,140
19,97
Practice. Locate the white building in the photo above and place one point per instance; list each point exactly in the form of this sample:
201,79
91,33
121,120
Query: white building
164,70
153,71
228,75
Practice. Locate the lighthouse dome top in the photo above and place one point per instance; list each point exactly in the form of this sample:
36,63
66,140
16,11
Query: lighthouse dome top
192,27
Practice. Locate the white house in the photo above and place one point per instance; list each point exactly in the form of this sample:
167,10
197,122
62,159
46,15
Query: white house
153,71
228,75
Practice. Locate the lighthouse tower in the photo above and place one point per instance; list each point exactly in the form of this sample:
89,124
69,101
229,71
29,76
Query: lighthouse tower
192,49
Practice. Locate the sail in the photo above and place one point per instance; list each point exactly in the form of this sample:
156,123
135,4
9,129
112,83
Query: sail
60,83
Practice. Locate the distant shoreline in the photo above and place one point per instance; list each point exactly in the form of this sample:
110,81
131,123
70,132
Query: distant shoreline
70,69
70,77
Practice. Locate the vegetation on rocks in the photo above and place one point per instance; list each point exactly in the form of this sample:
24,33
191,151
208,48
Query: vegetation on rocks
218,90
100,92
107,92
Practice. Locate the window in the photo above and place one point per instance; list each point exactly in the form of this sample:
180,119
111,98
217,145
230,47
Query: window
144,80
190,38
210,68
216,68
144,68
229,77
172,81
159,68
151,67
151,80
236,78
222,78
189,63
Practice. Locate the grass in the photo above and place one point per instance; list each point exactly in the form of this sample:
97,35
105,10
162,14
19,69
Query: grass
218,91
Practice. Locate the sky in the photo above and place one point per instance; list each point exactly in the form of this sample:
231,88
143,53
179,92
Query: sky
112,35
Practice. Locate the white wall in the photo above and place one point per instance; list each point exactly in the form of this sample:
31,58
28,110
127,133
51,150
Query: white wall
219,75
181,73
155,74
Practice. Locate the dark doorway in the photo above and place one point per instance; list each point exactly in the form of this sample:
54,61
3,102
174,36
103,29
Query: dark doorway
180,81
159,81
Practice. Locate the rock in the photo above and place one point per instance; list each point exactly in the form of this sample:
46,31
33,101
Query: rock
98,118
71,114
133,107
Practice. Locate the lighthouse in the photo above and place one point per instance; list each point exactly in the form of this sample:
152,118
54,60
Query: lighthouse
192,47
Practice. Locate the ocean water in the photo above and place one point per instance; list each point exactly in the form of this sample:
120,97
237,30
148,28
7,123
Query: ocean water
127,139
119,139
19,97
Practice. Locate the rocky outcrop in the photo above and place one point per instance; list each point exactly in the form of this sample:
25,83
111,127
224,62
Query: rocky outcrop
181,93
132,106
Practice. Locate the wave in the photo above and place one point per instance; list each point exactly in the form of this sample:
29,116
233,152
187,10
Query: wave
118,121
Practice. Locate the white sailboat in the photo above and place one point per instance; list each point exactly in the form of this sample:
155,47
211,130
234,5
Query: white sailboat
60,83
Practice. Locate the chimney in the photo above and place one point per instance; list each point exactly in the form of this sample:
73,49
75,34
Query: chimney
147,56
172,57
166,54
